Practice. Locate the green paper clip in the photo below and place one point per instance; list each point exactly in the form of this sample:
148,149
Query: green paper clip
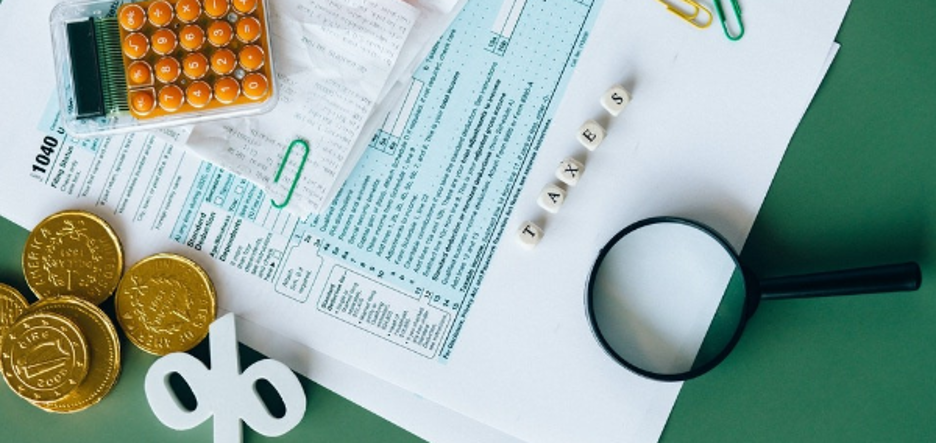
305,156
690,16
721,16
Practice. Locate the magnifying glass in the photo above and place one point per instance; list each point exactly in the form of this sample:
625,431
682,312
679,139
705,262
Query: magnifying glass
668,298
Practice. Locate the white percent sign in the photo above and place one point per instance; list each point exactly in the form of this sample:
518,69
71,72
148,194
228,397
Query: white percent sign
222,391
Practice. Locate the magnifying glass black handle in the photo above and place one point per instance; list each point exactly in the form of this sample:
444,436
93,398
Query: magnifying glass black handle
880,279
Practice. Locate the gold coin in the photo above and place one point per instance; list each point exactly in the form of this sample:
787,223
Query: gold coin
73,253
44,357
165,303
104,346
12,303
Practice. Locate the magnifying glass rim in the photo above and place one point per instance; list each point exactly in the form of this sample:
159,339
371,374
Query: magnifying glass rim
751,297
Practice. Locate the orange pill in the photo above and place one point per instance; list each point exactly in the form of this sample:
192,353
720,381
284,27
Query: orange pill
164,41
216,8
167,69
135,45
245,6
139,73
131,17
198,94
220,33
223,61
226,90
248,29
191,37
195,65
171,98
255,86
142,101
187,10
251,57
159,13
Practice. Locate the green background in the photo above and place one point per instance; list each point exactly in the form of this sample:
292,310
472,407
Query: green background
855,188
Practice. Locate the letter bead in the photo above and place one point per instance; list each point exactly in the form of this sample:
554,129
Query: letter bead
615,100
570,171
591,134
529,235
551,198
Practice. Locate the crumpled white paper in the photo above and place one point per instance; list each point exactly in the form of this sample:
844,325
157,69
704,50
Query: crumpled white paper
339,64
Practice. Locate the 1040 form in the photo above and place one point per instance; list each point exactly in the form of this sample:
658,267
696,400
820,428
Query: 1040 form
402,250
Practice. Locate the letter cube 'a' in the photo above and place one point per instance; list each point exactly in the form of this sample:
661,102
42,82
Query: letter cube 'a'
551,198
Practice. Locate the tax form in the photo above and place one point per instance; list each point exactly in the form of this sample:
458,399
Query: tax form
415,228
401,252
411,274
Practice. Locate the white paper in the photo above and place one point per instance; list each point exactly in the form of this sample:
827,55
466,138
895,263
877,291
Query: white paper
333,60
336,61
706,130
702,138
138,176
428,420
421,416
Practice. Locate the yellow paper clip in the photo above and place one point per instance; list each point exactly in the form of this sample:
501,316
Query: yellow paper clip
724,24
692,15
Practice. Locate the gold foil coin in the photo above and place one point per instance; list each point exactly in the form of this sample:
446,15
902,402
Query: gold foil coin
104,346
12,303
73,253
44,357
165,303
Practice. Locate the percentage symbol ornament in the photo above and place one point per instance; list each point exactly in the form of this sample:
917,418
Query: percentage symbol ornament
222,391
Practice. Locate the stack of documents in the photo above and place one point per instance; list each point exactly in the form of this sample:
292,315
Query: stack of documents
408,293
337,62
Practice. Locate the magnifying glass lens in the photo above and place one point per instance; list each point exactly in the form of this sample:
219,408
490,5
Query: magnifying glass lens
667,299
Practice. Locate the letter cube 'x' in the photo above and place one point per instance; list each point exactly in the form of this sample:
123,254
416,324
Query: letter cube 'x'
570,171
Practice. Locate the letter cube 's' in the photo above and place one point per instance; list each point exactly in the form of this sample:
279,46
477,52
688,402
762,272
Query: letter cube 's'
615,99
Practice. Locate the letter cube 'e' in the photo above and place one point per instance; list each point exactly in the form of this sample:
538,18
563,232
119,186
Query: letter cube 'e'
551,198
529,235
570,171
591,134
615,99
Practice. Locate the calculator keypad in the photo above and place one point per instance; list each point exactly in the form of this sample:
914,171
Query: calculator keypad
220,33
255,86
216,8
194,55
159,13
132,17
195,65
187,11
170,98
139,73
167,69
251,58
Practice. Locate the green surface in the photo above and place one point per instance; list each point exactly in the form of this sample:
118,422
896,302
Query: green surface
856,188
